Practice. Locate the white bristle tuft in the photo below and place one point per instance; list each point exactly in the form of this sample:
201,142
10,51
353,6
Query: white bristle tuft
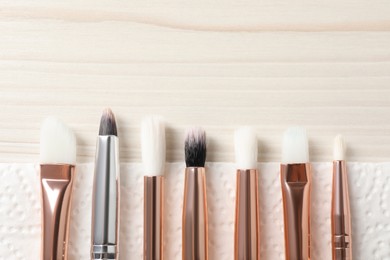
295,146
58,143
153,146
245,143
339,148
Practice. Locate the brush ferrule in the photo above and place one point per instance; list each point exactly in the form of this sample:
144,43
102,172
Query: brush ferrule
296,186
246,233
341,215
153,217
56,187
195,227
105,205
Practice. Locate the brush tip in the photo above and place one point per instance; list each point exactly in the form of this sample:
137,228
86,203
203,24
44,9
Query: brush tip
339,148
246,150
295,146
58,142
108,123
153,145
195,147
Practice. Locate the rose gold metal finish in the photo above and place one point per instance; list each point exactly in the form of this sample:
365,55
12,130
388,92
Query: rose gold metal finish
246,233
195,229
296,186
153,217
341,215
56,187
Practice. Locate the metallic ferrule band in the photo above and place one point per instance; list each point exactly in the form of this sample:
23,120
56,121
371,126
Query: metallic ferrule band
104,252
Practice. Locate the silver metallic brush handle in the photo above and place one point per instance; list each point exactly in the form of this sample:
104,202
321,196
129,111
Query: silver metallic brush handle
105,205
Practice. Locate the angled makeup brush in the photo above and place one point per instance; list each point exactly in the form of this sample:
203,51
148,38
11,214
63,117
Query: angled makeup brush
195,229
295,176
153,158
106,186
341,214
57,172
246,232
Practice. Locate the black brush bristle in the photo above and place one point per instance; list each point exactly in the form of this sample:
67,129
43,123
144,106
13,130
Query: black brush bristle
108,123
195,148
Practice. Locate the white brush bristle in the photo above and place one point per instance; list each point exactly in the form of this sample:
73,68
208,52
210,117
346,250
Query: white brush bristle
153,146
339,148
58,142
295,146
245,143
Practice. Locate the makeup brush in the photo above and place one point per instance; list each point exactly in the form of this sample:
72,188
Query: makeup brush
106,186
295,176
341,214
246,232
195,229
57,172
153,158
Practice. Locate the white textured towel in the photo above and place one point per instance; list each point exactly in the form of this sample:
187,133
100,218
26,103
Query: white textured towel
370,205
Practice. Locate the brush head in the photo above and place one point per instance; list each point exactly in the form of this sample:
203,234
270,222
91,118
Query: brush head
153,146
245,143
295,146
339,148
195,147
58,143
108,123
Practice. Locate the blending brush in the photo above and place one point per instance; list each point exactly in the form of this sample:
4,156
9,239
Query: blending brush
341,215
295,176
195,230
57,172
106,186
246,233
153,158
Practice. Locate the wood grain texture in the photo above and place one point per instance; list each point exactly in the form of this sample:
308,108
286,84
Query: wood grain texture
324,65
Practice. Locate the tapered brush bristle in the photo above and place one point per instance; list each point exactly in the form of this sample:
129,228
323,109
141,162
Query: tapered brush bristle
295,146
58,143
195,148
108,123
245,142
153,146
339,148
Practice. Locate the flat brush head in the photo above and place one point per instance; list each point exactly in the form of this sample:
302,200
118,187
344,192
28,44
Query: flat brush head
295,146
108,123
153,146
339,148
195,147
245,143
58,143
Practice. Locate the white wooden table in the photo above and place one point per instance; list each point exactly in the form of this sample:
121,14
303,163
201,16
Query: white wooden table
219,64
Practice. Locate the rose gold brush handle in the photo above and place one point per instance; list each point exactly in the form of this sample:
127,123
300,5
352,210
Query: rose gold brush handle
246,233
153,217
295,181
341,215
195,229
56,187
